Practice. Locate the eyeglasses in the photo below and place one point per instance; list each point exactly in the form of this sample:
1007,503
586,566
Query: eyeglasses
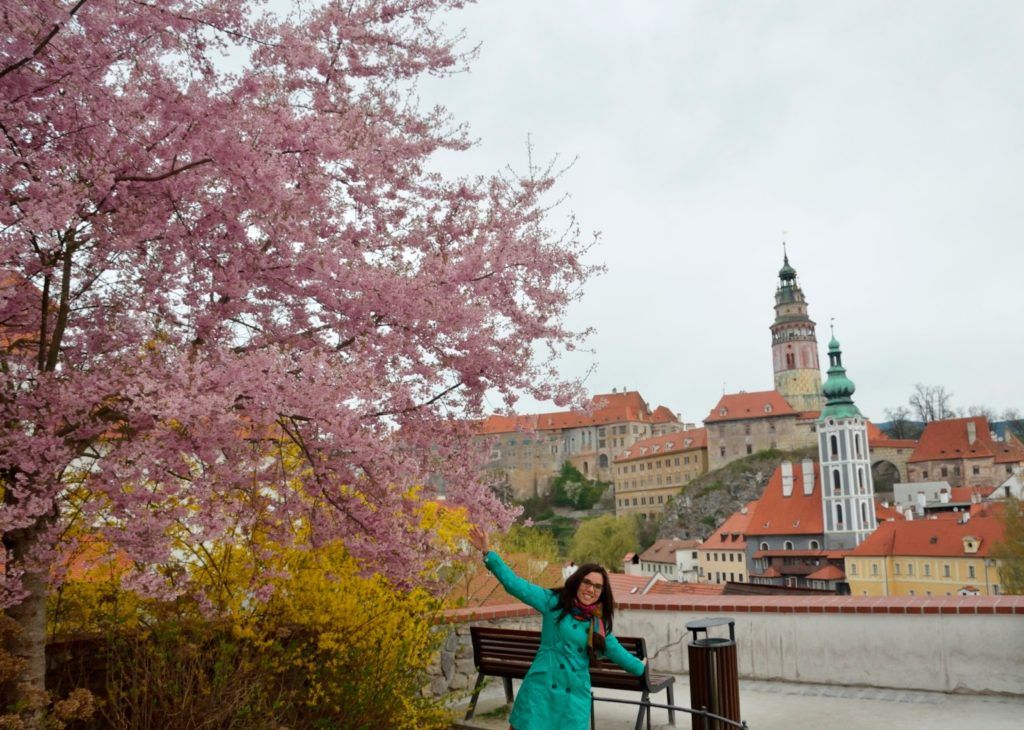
592,586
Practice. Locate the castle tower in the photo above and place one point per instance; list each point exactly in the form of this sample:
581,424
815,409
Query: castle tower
847,490
794,345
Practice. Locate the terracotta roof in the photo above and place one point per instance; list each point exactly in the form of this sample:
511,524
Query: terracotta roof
772,572
732,534
883,513
674,588
887,443
874,432
797,514
662,414
964,494
626,585
741,406
829,572
664,551
932,538
948,439
668,443
627,406
808,415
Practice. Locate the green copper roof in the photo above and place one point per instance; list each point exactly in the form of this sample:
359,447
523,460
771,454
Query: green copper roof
787,272
838,388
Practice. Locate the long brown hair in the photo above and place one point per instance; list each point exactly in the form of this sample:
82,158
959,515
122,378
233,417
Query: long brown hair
567,597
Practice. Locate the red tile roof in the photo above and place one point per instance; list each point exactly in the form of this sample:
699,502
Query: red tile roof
932,538
664,551
627,406
948,439
668,443
797,514
732,534
829,572
665,587
626,585
741,406
964,494
887,443
883,513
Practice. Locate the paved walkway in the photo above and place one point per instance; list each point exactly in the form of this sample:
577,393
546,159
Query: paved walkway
786,706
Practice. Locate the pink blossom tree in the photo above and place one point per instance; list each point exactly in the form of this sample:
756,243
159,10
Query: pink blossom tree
241,298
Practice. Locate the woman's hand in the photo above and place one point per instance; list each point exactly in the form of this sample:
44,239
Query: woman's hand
478,539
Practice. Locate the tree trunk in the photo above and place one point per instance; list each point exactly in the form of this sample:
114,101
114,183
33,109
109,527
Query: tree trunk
29,644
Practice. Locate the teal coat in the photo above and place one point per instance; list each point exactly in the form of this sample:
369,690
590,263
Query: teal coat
556,690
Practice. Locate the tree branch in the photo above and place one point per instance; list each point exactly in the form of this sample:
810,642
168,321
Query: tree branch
170,173
45,42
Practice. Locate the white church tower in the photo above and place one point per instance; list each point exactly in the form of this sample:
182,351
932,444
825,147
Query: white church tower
848,493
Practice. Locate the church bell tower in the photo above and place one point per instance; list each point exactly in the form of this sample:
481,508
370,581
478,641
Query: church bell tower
795,345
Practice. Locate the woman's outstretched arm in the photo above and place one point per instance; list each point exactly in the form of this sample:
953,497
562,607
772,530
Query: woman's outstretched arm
530,594
615,651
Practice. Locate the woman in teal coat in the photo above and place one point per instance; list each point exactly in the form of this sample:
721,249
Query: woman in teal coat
576,628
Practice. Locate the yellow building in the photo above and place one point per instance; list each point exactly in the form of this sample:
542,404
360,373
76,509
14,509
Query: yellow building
948,556
653,470
722,558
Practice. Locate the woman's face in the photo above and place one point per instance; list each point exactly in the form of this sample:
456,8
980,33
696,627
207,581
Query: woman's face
590,588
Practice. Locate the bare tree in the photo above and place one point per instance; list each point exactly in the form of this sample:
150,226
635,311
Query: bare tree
988,413
900,425
931,402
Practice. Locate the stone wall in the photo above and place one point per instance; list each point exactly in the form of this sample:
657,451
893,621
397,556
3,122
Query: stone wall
970,644
452,669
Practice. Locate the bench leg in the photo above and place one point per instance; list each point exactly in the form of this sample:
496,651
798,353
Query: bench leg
507,681
645,708
671,702
476,695
592,720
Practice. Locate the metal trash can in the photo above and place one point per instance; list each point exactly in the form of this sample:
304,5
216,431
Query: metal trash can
714,676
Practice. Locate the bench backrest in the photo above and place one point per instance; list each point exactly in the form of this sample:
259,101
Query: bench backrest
509,653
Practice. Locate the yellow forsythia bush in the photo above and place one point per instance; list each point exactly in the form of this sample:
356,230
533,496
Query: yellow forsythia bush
324,644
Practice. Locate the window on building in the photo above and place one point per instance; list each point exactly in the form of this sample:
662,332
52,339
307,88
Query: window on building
924,474
661,499
856,444
896,568
836,481
764,546
975,470
750,449
956,471
927,569
746,429
945,570
945,471
839,514
771,427
910,568
721,451
788,545
874,569
634,501
853,569
833,446
970,571
677,461
864,514
815,545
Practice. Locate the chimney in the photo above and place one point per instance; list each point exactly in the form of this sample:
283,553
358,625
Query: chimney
787,478
972,432
944,497
965,518
908,515
743,509
921,501
808,468
614,390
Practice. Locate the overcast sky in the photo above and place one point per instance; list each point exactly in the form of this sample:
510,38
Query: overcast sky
881,140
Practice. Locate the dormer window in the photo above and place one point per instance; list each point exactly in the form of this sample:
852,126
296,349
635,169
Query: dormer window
767,407
970,544
722,411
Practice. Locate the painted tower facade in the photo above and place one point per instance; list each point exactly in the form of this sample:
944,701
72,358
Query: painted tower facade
795,345
847,493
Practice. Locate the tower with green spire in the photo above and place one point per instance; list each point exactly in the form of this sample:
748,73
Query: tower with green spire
848,491
795,344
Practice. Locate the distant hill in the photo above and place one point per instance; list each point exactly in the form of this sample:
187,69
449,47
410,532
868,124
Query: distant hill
706,502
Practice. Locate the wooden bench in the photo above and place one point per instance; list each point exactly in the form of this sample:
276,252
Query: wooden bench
508,653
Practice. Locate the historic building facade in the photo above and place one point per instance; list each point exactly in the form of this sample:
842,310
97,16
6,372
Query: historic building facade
653,470
964,452
848,494
525,452
795,345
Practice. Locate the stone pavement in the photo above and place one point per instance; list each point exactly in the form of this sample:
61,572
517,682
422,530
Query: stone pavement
789,706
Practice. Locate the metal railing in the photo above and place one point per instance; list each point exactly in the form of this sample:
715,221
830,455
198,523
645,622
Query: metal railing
707,717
